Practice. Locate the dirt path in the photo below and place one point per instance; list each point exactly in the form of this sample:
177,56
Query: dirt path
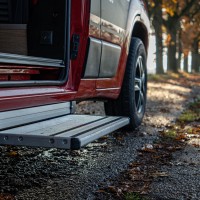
27,173
168,168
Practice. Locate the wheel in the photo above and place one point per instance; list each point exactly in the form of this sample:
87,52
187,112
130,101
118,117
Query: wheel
132,99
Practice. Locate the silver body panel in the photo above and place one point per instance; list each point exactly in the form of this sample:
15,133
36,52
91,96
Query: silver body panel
93,60
103,59
109,60
108,21
95,7
115,12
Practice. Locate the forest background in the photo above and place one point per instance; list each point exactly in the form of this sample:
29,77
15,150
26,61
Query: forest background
176,27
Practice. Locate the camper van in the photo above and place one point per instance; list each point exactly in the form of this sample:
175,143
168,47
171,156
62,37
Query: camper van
54,53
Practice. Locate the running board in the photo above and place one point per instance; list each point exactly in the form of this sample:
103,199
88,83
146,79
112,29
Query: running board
66,132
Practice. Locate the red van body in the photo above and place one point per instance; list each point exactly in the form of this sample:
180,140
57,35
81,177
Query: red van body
85,19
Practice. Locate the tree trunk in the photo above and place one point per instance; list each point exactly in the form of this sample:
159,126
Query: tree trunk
157,23
159,50
186,63
179,59
172,46
195,56
171,58
180,51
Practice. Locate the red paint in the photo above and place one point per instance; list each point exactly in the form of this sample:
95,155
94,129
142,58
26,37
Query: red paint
79,25
19,77
87,87
75,88
3,77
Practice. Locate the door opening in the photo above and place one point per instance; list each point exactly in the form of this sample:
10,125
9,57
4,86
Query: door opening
33,40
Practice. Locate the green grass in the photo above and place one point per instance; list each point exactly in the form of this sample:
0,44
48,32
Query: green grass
188,116
170,133
164,77
156,77
192,113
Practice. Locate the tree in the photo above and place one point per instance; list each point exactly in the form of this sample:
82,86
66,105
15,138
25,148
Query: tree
180,50
196,55
170,14
186,40
174,11
155,12
196,43
191,35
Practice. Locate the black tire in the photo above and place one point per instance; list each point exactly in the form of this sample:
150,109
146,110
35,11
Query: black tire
132,100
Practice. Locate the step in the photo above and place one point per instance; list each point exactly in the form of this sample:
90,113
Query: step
68,131
14,118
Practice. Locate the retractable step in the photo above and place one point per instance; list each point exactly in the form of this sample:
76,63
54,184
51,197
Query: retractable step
42,127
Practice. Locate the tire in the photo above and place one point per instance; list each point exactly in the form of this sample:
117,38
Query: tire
132,99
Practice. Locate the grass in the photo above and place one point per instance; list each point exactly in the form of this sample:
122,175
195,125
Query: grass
166,76
170,134
170,75
157,77
191,114
175,132
188,116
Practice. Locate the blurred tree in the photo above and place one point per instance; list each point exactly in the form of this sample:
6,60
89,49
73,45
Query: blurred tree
174,11
176,15
196,42
186,40
196,55
155,13
180,49
191,35
186,64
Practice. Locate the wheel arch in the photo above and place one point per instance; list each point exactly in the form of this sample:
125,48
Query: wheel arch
140,31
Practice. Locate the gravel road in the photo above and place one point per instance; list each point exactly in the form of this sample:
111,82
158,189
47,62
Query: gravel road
183,182
37,173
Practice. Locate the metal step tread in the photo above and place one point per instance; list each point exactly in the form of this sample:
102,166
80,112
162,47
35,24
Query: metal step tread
15,118
66,132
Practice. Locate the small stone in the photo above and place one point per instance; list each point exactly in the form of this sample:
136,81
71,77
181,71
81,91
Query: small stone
149,146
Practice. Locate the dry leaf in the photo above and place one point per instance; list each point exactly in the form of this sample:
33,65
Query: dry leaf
112,189
159,174
13,153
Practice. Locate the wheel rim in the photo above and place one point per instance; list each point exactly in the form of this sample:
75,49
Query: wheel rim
140,85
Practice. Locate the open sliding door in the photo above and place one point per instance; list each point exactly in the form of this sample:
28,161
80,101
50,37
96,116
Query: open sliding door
34,42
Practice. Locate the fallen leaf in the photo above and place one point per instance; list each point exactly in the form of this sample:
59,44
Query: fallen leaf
112,189
6,197
134,164
181,137
101,191
159,174
13,153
